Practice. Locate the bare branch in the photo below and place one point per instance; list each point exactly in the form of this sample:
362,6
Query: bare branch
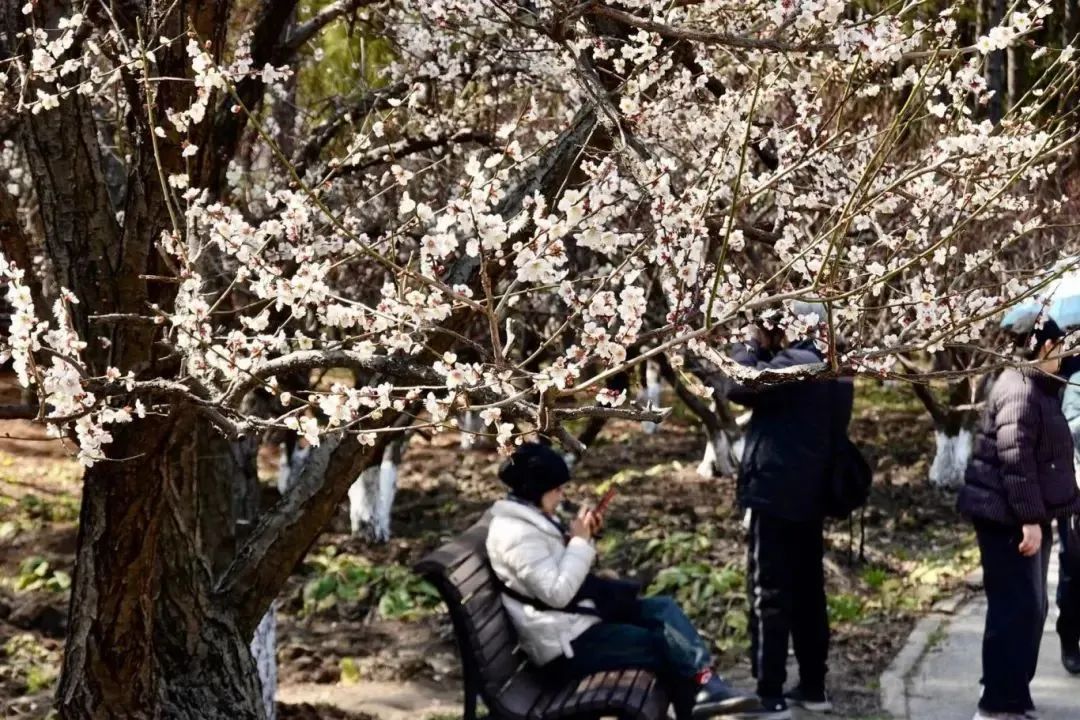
754,378
701,36
399,367
324,134
324,17
393,152
629,413
127,318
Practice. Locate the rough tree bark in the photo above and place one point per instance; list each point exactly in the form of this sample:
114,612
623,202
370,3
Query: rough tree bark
994,12
147,637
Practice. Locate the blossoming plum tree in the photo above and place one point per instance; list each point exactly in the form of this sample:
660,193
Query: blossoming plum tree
516,203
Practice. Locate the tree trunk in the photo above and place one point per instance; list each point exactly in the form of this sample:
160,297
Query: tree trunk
246,495
1016,75
721,431
147,637
469,423
1068,22
995,63
952,435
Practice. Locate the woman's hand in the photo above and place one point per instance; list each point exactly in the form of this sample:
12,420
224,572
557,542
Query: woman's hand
1032,540
586,524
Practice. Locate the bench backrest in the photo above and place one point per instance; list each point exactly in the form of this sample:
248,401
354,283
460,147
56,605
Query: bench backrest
488,642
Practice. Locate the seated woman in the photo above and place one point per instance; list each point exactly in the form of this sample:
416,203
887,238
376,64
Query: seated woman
544,568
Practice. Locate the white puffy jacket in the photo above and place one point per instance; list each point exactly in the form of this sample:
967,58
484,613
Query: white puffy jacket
529,555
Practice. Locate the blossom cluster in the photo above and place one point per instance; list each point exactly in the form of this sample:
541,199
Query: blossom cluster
737,156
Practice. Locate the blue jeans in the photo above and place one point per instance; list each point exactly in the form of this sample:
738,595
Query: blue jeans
1068,593
662,640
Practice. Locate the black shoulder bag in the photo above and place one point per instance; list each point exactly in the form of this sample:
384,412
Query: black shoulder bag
847,487
615,600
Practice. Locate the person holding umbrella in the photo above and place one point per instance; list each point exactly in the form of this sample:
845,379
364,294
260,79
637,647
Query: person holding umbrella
1019,479
1062,303
1068,592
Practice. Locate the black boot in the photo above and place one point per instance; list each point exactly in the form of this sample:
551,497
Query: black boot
1070,655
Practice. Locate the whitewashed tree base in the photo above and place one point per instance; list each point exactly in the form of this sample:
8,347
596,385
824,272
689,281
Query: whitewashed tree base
652,393
469,424
950,459
264,650
289,466
719,454
264,643
371,498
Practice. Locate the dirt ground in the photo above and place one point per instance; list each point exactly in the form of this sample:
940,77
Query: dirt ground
353,623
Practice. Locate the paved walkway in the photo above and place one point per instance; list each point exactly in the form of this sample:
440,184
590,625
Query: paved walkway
945,684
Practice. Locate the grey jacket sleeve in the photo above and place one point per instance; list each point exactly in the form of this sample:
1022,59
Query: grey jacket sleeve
1070,405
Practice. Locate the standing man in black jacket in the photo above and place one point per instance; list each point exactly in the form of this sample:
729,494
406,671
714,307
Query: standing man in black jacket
782,484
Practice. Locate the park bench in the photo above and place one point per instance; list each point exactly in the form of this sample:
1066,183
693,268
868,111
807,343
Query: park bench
494,666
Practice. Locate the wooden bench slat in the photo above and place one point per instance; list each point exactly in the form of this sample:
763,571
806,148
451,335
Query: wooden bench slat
656,702
621,689
557,701
640,688
485,611
483,597
494,644
586,690
478,584
521,695
497,624
498,663
598,695
469,567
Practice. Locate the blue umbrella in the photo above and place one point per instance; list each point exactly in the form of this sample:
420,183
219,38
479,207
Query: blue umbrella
1021,318
1065,302
1058,301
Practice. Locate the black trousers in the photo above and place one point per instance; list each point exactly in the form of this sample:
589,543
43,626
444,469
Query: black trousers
1017,605
786,582
1068,593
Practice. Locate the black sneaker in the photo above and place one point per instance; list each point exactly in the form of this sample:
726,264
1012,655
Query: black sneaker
1070,657
766,709
716,697
814,701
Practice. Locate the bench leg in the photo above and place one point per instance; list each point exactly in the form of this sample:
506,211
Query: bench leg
471,692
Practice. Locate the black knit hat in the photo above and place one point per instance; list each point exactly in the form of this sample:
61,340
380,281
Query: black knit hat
532,471
1031,343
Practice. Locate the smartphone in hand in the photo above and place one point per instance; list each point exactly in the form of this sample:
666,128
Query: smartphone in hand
602,506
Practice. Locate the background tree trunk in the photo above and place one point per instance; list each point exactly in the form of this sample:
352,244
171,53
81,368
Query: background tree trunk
995,61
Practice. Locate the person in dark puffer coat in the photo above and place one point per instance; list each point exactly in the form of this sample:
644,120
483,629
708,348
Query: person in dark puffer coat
1019,479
